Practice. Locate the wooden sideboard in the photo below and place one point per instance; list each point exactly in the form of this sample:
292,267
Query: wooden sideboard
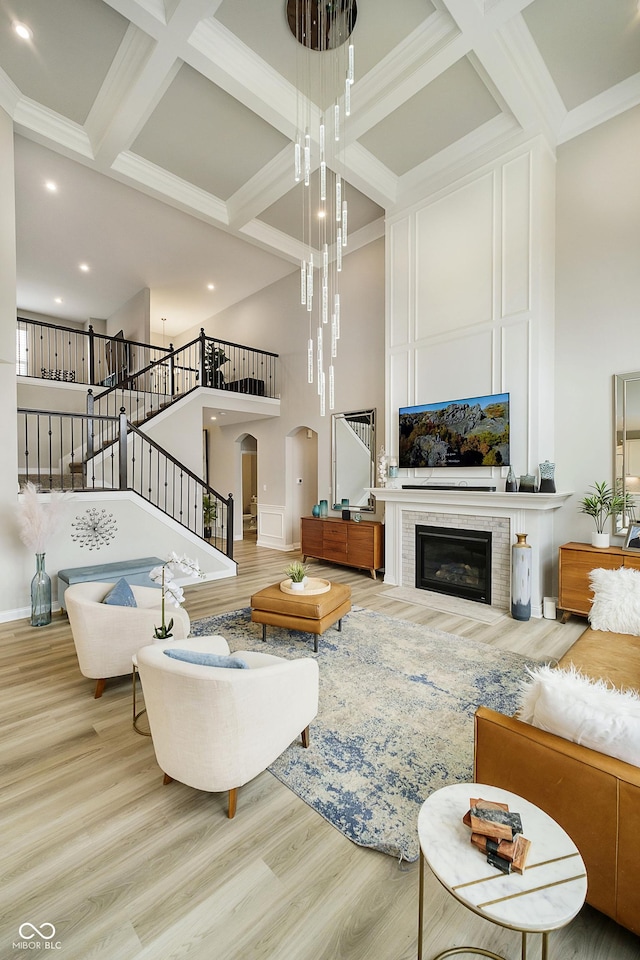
344,541
576,561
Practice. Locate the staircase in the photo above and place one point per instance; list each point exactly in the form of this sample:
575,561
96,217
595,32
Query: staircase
106,448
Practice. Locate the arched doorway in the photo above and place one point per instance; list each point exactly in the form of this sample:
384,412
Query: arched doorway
249,486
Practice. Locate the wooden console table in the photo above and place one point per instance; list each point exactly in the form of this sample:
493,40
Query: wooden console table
344,541
576,561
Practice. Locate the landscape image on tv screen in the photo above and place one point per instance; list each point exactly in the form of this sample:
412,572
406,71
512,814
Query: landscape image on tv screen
456,433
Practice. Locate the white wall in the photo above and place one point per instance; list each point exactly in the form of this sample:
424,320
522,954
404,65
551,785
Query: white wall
273,320
597,302
9,541
141,532
134,318
470,305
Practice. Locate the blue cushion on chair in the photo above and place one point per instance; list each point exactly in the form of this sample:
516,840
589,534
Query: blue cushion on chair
207,659
121,595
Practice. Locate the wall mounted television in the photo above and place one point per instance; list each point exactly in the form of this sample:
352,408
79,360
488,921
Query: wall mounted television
455,433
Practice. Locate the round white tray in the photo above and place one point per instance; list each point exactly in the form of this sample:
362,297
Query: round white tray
313,585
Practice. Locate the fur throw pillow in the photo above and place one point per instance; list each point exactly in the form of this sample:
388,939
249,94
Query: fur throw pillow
590,712
616,602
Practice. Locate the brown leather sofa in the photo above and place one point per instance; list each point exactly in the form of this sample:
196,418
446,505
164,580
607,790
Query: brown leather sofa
596,798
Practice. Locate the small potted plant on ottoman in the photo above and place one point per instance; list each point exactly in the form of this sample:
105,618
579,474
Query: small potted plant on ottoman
297,572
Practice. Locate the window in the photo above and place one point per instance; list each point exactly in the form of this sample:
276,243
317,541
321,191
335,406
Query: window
22,353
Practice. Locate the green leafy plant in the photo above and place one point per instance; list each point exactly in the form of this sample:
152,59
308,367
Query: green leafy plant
214,357
209,510
604,503
296,571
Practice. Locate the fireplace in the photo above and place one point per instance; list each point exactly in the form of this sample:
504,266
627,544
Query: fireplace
454,561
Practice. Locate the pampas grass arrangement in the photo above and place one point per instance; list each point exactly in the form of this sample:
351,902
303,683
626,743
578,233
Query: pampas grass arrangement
38,521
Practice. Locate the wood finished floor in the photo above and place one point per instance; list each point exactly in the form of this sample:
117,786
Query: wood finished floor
127,869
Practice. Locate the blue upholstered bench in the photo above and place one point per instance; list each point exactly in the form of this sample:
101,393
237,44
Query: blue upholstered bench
133,571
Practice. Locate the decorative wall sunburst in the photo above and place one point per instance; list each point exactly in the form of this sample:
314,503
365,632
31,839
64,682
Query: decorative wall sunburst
95,529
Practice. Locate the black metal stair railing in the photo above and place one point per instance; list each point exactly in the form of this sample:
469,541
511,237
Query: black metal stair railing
63,354
80,452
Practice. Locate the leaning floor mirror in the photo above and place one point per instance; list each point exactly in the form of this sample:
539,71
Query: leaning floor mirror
353,444
627,445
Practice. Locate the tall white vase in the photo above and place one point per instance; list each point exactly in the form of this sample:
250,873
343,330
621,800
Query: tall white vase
521,578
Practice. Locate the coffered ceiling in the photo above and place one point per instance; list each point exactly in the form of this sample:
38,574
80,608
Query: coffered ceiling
194,103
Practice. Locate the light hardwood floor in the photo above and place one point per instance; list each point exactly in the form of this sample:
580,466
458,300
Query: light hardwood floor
129,869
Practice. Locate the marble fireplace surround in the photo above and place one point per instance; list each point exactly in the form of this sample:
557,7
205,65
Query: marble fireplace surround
504,514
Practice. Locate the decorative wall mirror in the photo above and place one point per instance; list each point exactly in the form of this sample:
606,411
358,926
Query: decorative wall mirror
627,444
353,444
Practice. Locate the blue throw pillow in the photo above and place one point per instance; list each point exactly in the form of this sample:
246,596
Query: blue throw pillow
121,595
207,659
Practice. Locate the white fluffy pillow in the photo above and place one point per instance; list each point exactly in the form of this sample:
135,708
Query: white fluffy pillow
585,711
616,604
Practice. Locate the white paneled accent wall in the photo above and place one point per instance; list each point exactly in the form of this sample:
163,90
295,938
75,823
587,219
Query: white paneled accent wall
470,303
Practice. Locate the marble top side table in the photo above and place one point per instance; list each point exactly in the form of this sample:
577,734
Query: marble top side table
546,897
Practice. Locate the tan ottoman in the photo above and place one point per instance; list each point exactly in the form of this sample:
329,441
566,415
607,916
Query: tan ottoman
311,614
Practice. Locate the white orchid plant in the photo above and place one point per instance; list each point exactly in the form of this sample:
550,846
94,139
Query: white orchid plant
171,591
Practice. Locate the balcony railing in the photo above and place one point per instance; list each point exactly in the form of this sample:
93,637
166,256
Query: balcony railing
79,452
66,355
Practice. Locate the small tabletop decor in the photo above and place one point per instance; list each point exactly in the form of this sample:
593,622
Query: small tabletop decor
297,574
310,587
601,505
164,575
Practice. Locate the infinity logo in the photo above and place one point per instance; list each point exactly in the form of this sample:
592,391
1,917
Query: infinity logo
40,932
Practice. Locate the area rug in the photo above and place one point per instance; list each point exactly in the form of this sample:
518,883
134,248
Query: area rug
395,720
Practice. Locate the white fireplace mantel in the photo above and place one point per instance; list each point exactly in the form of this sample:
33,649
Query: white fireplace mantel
530,513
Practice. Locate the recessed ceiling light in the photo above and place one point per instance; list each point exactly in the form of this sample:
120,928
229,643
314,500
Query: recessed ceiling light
84,267
59,300
23,31
210,286
51,186
321,214
214,418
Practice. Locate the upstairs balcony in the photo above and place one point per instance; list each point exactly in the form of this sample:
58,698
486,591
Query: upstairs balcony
45,351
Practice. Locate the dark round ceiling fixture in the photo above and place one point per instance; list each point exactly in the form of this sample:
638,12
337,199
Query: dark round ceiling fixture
319,25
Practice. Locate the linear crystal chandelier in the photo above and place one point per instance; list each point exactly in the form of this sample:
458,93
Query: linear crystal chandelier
325,74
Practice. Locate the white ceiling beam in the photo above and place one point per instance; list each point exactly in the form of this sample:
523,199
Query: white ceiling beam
50,129
218,54
267,186
274,241
611,103
493,138
159,183
122,112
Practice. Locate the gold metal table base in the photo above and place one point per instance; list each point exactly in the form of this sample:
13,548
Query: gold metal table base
475,951
137,714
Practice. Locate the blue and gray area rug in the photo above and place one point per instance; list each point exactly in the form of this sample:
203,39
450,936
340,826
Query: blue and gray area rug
395,720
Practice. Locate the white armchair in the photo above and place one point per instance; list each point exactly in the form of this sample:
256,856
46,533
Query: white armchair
215,728
106,637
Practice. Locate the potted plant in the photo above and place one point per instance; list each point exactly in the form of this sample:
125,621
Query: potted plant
601,505
297,573
214,358
209,514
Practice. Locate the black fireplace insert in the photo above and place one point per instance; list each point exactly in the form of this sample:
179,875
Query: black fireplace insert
454,561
